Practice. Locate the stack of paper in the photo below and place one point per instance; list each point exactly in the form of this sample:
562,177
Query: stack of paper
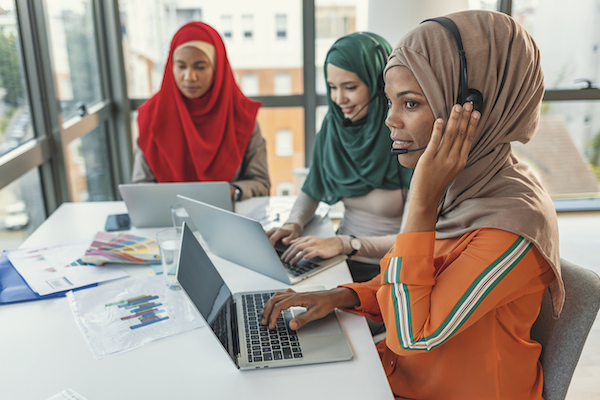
14,289
58,268
122,248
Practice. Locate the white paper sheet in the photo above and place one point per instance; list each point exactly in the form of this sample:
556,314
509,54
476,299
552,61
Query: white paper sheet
123,315
277,209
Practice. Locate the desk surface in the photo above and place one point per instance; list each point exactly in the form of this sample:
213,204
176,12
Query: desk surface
43,352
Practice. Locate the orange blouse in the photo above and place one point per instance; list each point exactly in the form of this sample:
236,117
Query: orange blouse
458,314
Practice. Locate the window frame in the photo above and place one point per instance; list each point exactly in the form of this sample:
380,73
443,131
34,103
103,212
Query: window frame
46,151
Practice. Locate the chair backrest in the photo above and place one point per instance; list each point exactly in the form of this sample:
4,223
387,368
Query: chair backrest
563,339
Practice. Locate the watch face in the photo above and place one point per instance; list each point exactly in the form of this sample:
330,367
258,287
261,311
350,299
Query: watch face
355,244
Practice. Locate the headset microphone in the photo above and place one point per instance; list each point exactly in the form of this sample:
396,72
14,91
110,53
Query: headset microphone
396,152
348,121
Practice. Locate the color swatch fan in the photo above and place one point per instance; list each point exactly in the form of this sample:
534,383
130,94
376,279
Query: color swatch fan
122,248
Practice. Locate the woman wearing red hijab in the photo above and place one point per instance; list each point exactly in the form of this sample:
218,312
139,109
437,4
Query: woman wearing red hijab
199,126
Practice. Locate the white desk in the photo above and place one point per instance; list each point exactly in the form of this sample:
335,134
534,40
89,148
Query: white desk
42,351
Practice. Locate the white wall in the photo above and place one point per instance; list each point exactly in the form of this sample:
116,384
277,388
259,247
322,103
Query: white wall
393,18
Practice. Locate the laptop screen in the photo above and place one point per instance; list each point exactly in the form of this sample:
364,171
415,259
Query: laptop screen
207,290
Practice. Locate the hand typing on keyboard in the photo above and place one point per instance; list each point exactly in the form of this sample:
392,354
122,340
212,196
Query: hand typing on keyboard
306,247
284,234
318,304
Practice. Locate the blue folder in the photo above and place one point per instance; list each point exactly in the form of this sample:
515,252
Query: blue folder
14,289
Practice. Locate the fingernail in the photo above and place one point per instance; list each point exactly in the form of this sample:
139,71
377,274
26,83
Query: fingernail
457,108
439,121
468,106
476,115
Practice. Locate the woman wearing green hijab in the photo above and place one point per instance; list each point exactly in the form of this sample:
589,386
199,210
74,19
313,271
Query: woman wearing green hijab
352,163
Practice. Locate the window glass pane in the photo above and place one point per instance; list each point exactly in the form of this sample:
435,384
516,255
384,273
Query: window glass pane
21,209
88,167
281,26
250,84
135,132
490,5
565,152
283,84
320,115
247,26
15,119
334,19
569,60
283,119
250,32
188,14
227,26
284,143
75,55
570,129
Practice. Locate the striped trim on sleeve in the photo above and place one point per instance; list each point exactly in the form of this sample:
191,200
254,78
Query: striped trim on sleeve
479,289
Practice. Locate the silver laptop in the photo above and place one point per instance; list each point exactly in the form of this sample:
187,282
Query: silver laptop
235,319
149,204
243,241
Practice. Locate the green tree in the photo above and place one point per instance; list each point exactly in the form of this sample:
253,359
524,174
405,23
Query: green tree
595,154
10,70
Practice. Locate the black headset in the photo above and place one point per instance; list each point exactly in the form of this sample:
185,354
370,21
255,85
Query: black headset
384,54
465,93
380,82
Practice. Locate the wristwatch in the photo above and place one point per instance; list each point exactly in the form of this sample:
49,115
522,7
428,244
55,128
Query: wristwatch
355,244
237,193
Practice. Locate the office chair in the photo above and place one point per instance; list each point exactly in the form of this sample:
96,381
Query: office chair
563,339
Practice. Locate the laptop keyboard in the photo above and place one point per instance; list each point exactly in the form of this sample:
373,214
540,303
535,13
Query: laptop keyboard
262,343
300,268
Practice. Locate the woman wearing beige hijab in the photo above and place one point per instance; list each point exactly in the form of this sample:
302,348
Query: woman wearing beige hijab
463,284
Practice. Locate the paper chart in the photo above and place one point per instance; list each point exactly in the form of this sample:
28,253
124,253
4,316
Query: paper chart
129,313
141,311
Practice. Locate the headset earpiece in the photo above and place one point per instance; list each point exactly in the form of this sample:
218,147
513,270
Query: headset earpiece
476,98
465,92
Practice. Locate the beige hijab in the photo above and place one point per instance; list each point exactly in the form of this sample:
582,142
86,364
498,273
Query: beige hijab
495,190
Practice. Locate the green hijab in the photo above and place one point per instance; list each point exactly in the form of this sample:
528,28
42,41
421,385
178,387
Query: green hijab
352,161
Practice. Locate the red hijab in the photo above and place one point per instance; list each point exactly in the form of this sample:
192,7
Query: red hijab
201,139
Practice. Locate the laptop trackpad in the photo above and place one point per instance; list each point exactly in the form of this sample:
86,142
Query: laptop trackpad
322,327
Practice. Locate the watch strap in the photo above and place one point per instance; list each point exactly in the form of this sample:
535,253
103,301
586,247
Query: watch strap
354,251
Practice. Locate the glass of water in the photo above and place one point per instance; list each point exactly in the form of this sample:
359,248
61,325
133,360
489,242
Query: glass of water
169,241
179,216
